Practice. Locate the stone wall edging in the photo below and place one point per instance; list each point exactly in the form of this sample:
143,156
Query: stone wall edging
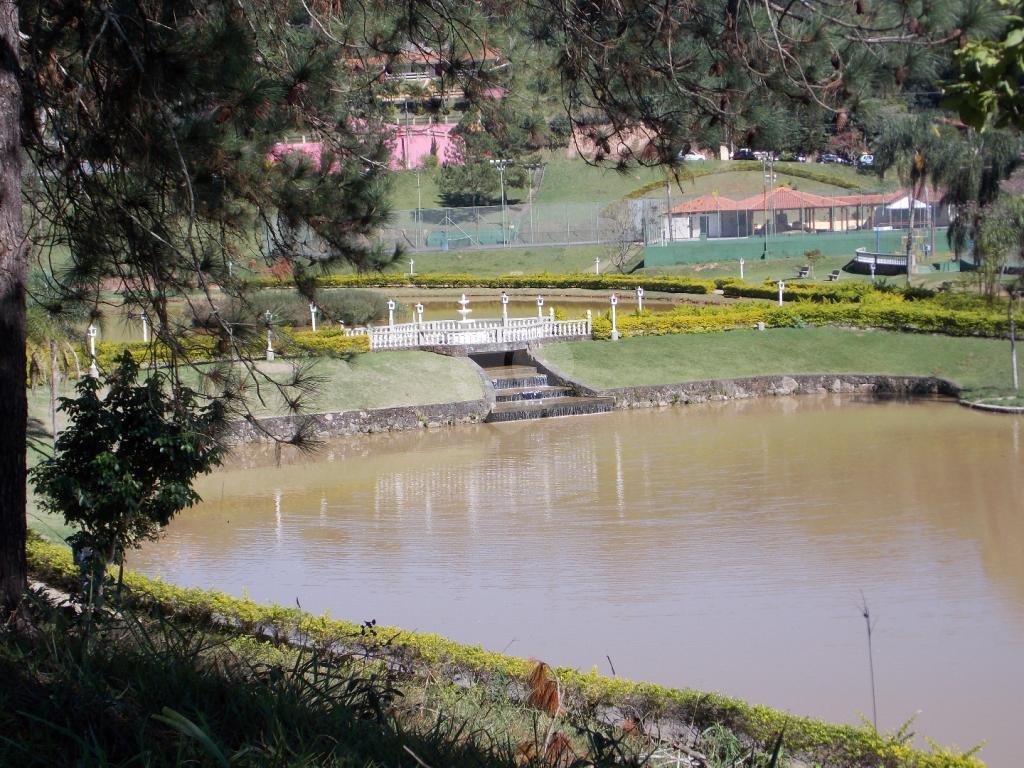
756,386
363,421
778,385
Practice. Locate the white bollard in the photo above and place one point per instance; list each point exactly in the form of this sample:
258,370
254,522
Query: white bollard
411,265
145,328
782,287
312,315
504,308
615,327
597,265
639,299
391,313
419,312
94,371
540,307
590,322
269,317
742,262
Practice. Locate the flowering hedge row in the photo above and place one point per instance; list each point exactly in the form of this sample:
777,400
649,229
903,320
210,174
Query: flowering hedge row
891,315
813,740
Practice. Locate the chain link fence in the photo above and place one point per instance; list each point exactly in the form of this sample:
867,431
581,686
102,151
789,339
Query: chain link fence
526,225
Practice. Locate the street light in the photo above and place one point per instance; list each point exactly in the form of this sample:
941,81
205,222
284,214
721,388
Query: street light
504,308
501,165
312,315
782,287
540,307
419,312
639,299
768,168
391,313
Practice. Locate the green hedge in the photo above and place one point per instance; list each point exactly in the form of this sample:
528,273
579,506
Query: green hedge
327,342
794,291
667,283
892,314
816,740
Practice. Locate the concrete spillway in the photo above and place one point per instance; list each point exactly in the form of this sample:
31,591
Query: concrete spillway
521,392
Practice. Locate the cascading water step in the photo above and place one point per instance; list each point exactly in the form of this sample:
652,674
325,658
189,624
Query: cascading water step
516,377
517,410
523,393
529,393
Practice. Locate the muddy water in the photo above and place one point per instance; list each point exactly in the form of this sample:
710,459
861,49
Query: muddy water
724,547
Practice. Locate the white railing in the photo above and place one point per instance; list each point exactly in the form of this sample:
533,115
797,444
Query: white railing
452,333
864,256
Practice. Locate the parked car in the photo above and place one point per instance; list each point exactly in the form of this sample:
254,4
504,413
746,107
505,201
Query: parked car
866,161
793,157
830,157
693,157
744,154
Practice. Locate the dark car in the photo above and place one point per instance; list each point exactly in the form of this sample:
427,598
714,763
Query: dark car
830,157
744,154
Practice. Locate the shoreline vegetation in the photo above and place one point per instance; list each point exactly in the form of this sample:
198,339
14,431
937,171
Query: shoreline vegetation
618,704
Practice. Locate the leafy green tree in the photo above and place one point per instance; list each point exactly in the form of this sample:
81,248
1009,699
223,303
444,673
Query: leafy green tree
125,464
151,131
987,87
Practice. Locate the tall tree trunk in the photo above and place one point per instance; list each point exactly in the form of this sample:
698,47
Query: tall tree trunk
13,269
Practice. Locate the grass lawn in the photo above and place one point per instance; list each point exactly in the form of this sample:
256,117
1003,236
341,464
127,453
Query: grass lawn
387,380
976,364
572,180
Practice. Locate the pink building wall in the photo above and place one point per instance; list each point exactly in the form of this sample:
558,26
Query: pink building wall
410,146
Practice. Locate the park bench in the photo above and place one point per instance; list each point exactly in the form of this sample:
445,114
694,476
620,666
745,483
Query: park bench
803,273
833,276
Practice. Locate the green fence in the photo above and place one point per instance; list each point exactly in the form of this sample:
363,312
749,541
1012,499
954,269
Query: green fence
787,245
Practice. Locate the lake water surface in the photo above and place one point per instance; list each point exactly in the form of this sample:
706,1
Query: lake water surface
722,547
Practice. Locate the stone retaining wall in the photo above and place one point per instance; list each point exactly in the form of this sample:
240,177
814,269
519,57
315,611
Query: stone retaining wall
325,425
760,386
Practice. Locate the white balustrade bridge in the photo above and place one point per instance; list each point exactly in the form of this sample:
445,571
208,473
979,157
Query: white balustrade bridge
459,333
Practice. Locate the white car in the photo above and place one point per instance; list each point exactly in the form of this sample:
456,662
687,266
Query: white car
693,157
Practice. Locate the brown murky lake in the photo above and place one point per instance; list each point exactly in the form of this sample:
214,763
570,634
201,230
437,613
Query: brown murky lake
723,547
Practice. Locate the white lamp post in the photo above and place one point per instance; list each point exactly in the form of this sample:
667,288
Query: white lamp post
313,309
391,313
615,327
782,287
504,308
590,322
269,317
742,262
419,312
540,307
94,371
639,299
411,265
145,327
872,265
597,265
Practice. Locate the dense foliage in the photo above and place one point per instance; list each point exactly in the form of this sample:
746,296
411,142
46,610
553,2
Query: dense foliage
124,465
